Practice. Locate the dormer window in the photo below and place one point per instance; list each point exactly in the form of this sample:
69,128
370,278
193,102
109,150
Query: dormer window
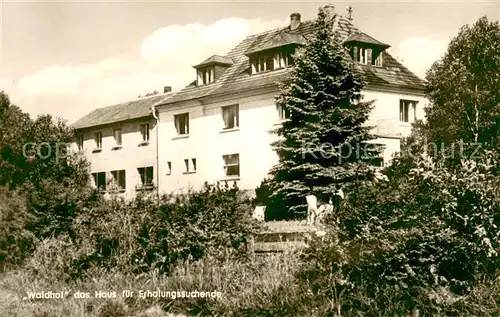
211,69
275,53
366,50
206,76
367,56
271,60
364,55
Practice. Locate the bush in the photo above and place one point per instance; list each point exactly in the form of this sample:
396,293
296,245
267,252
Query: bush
16,242
422,241
144,235
275,207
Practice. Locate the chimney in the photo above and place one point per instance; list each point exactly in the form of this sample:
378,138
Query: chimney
294,20
329,10
167,89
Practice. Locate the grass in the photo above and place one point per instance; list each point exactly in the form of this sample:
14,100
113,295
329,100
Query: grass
242,285
264,285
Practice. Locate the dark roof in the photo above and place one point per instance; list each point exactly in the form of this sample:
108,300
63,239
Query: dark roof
280,39
361,37
124,111
216,59
237,77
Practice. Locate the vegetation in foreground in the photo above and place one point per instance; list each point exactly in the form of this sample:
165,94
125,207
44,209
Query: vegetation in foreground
426,241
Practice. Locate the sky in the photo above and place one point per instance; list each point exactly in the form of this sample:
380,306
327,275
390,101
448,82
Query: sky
67,58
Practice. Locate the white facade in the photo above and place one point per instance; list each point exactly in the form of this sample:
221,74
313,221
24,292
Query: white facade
207,142
133,154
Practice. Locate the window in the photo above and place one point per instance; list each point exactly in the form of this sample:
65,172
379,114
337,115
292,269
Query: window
169,168
206,76
190,165
117,133
119,178
98,140
377,161
367,56
377,158
182,123
364,55
282,60
145,132
230,114
271,60
407,110
146,174
231,165
283,113
263,63
378,59
79,142
100,180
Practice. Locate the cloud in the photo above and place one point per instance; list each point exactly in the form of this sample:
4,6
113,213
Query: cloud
166,58
176,48
418,53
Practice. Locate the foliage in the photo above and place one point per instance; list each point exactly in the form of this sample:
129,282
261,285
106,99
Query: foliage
142,235
323,142
464,88
36,150
36,160
275,207
16,241
149,94
424,241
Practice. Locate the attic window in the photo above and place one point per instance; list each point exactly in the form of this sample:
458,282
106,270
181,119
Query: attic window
367,56
206,76
271,60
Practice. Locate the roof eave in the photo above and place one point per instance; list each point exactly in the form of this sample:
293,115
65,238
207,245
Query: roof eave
385,46
110,122
395,88
212,64
248,53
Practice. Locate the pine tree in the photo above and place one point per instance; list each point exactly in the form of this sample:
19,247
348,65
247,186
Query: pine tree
323,144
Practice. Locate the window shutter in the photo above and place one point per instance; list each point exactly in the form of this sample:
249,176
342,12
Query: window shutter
400,110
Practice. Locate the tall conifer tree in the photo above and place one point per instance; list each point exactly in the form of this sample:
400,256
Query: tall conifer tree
322,146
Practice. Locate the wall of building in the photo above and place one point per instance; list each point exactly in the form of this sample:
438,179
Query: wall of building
385,115
207,142
128,158
385,119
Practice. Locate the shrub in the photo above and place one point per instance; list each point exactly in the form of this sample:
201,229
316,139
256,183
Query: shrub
187,227
422,241
144,235
275,208
16,242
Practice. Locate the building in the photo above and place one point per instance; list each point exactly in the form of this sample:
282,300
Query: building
120,142
217,128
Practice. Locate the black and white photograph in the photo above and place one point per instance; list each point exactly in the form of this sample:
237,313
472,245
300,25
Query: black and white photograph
249,158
